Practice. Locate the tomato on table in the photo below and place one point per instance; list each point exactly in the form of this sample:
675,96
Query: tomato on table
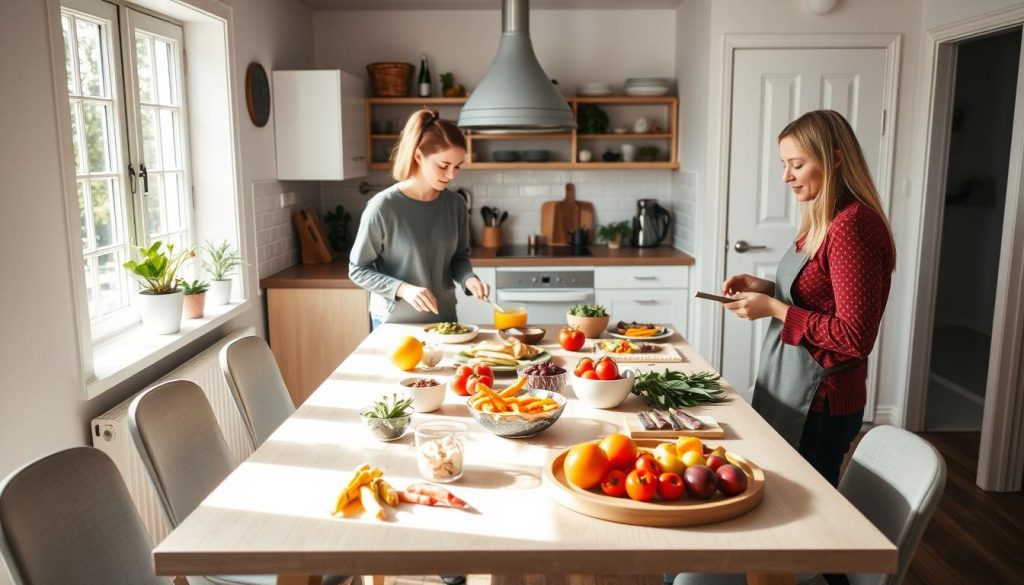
670,486
647,462
614,483
571,338
467,377
607,369
585,365
590,375
641,485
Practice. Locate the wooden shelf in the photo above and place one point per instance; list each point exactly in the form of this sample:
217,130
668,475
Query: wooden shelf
625,136
415,101
520,136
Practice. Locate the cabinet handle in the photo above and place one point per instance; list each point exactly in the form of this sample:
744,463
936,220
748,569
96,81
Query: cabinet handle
646,302
635,277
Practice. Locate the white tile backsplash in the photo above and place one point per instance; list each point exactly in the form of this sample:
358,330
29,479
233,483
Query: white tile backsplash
277,246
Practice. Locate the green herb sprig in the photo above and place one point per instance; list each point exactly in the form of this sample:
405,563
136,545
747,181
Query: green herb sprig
390,407
675,389
588,311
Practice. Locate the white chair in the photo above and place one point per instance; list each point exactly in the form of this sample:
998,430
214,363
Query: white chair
895,479
68,518
257,386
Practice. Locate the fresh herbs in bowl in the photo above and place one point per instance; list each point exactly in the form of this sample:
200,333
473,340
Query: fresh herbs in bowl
588,311
675,389
388,417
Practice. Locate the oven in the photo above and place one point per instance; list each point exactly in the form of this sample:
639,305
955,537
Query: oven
547,293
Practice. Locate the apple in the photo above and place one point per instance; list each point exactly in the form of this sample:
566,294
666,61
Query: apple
670,486
715,461
700,481
731,479
668,458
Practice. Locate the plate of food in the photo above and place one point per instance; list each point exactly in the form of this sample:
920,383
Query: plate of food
449,332
503,355
632,351
634,331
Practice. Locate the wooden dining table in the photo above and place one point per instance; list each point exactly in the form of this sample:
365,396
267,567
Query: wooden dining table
273,514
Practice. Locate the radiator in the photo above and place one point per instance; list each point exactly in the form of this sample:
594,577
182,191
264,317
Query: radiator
110,431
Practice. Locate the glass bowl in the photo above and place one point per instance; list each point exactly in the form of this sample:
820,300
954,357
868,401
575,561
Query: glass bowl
514,425
386,429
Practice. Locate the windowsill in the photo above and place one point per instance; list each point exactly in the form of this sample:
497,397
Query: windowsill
133,350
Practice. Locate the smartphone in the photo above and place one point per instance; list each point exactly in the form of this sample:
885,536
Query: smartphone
711,297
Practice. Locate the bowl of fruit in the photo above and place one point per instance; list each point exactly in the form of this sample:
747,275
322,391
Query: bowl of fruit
545,376
600,384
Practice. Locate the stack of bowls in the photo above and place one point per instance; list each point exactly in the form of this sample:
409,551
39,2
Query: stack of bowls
594,89
646,86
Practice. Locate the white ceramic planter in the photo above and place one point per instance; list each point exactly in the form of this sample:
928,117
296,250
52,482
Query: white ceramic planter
219,293
161,314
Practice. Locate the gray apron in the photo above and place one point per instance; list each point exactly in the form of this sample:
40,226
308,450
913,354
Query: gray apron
788,376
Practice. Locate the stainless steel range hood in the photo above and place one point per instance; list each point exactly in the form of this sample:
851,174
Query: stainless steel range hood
515,94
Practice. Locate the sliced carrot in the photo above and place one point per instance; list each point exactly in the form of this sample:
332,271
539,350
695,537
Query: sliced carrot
514,388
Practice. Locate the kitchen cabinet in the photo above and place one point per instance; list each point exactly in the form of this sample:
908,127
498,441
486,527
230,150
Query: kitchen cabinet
647,294
473,311
319,125
385,118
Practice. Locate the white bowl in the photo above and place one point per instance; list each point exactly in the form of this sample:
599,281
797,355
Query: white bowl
603,393
436,337
427,398
645,91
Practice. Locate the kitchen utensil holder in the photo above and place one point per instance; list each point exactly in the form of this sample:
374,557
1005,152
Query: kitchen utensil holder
491,237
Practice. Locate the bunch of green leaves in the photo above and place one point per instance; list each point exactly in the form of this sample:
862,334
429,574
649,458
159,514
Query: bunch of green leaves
223,259
390,407
591,119
587,311
674,389
157,270
195,287
612,231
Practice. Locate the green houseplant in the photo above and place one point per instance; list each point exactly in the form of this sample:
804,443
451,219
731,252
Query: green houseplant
159,301
220,262
337,223
195,297
592,320
388,418
614,233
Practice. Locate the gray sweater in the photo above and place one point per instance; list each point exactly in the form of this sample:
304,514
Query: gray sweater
424,243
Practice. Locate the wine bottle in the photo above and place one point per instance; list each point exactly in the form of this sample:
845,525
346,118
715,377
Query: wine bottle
424,81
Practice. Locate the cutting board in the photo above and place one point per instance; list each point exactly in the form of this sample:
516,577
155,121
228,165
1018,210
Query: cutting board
312,237
558,218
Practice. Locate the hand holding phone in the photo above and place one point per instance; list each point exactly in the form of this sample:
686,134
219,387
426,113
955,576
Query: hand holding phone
711,297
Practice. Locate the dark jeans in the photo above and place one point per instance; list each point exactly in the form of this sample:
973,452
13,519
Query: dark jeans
826,440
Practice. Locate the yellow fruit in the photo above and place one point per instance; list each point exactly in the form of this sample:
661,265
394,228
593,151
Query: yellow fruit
687,443
691,458
407,353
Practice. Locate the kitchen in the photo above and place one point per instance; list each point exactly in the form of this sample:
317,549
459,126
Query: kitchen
679,41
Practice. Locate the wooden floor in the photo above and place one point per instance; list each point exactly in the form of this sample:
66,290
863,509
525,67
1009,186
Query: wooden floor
974,537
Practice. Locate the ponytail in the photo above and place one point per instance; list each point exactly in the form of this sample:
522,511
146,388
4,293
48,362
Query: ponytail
426,132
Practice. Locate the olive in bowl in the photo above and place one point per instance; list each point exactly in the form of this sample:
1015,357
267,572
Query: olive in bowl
545,376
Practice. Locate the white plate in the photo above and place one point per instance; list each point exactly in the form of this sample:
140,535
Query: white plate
647,81
645,91
436,337
667,332
593,93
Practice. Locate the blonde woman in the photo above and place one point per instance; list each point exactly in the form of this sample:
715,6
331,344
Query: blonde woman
413,245
829,293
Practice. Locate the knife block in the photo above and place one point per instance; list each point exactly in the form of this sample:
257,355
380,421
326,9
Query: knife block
491,237
312,237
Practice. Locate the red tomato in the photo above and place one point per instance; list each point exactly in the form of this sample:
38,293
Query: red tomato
483,370
589,374
614,483
462,374
607,369
641,485
585,364
620,449
475,379
571,339
647,462
670,486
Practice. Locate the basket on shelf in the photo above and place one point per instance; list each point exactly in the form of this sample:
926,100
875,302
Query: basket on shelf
390,79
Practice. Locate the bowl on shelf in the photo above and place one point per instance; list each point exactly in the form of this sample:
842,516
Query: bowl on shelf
530,335
594,89
537,155
506,155
514,425
542,381
425,397
603,393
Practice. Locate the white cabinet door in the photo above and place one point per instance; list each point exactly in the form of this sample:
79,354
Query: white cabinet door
666,306
319,125
473,311
641,277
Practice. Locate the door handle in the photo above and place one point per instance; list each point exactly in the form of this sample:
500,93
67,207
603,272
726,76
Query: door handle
505,296
144,175
638,277
742,246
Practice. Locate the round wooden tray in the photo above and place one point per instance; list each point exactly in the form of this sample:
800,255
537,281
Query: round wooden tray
684,512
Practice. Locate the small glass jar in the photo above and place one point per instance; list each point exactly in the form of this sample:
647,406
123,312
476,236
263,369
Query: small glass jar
440,450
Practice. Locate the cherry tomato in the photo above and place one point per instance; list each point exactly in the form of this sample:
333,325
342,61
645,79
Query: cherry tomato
607,369
670,486
483,370
647,462
462,374
614,483
584,365
641,485
571,339
589,374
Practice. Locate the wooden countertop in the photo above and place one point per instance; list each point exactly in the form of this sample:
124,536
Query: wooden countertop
335,275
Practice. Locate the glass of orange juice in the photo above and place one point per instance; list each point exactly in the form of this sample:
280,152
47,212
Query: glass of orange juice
510,316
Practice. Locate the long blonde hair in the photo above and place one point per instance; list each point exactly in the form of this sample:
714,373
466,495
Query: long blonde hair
427,132
820,134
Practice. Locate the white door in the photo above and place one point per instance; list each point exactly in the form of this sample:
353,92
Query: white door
772,87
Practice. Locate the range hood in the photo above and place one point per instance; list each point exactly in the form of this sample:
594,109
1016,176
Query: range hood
515,94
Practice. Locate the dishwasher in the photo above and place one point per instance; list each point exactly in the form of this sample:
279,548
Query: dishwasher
547,293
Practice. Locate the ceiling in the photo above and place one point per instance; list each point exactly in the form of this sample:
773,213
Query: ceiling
486,4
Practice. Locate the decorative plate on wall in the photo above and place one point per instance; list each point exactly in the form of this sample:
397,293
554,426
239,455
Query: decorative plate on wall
257,94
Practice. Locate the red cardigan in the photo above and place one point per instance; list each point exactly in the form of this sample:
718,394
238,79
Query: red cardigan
839,298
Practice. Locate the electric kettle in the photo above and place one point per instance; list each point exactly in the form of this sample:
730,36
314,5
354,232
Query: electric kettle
651,224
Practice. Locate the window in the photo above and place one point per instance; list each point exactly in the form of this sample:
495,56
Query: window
125,78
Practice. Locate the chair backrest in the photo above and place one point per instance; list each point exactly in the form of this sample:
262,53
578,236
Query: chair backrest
180,443
257,386
68,518
896,480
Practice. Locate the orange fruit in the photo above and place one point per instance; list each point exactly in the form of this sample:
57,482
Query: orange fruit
620,450
586,465
691,458
407,353
687,443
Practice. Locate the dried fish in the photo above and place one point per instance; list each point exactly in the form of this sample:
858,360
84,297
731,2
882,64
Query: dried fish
646,421
677,424
687,420
660,419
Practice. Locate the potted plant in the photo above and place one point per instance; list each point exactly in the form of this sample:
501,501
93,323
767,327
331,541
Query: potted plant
388,418
337,224
592,320
614,233
221,262
448,87
647,153
195,297
160,301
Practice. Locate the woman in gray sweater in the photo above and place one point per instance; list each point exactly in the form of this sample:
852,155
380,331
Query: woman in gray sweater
413,244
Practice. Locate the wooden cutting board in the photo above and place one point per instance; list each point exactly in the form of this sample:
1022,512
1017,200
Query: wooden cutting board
558,218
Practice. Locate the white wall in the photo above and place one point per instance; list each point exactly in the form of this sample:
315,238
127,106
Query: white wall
938,13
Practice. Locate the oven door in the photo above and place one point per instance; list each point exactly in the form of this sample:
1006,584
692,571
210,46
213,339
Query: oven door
546,306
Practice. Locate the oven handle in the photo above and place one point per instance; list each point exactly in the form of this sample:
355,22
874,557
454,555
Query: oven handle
545,296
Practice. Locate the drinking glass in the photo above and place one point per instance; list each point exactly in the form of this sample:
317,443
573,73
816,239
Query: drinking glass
440,450
510,316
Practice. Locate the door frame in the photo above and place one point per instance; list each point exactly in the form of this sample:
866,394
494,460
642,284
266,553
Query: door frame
714,241
1001,459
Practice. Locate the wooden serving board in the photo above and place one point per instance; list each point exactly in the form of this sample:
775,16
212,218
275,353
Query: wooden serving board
683,512
710,430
